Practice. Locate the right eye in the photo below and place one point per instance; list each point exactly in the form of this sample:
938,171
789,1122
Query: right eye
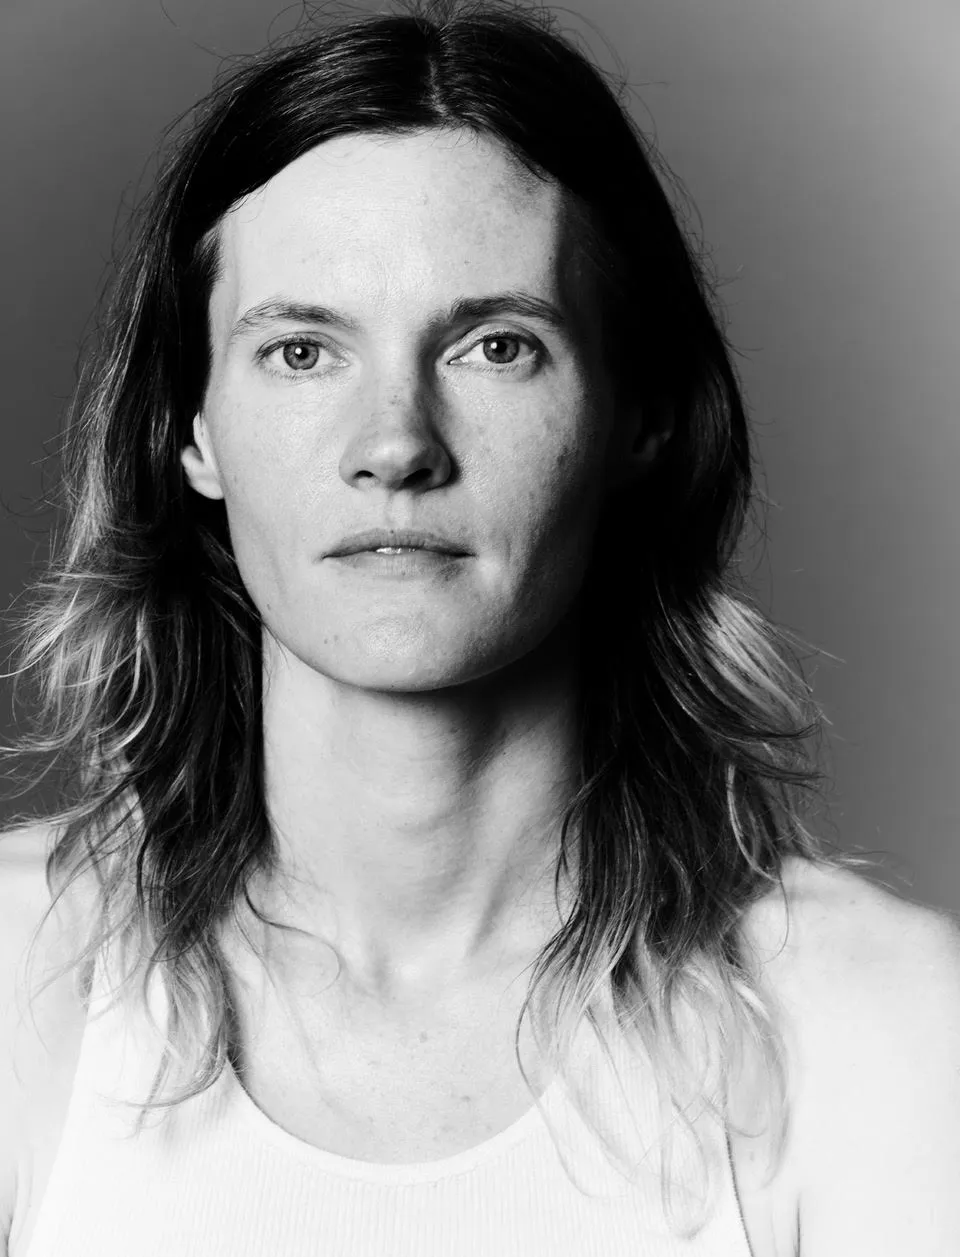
299,354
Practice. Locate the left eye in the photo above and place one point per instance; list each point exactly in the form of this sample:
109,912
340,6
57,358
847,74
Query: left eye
300,355
502,348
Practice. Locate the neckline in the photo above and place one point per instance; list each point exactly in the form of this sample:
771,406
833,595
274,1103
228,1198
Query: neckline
391,1173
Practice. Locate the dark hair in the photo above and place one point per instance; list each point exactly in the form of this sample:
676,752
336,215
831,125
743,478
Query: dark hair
693,716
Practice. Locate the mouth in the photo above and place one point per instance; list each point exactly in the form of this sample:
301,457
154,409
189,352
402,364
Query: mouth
401,562
396,543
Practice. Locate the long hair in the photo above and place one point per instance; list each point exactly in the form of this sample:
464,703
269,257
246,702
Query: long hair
695,719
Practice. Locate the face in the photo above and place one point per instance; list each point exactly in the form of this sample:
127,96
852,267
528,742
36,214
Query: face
402,339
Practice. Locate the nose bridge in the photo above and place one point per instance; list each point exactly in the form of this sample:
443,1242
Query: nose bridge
399,385
394,438
397,397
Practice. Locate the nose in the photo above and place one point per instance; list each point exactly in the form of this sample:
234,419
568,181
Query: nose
396,444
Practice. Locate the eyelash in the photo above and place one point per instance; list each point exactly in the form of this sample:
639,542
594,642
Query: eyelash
492,368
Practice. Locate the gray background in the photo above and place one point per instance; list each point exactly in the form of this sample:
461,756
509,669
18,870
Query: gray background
820,143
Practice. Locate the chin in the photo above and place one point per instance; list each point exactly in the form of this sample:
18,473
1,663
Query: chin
400,655
409,673
391,662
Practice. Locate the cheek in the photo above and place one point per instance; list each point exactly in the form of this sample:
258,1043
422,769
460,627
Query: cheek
545,499
561,489
267,497
262,454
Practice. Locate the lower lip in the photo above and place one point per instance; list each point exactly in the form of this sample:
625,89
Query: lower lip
407,563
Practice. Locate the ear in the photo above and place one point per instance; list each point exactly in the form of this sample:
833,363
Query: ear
635,444
199,463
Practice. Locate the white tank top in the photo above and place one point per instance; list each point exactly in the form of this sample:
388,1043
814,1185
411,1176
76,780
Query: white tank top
218,1178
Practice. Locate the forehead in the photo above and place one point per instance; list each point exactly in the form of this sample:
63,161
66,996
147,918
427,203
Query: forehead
381,221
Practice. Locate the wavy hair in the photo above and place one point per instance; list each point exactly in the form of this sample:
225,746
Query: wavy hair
695,720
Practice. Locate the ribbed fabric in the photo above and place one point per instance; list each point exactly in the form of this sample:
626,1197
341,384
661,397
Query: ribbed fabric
217,1178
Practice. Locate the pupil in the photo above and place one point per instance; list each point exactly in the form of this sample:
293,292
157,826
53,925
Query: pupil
500,342
299,355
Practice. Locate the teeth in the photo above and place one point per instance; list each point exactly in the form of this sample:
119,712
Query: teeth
395,549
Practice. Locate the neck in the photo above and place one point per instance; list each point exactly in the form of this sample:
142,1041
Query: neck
419,832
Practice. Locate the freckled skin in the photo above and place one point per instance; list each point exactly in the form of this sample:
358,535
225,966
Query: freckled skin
393,429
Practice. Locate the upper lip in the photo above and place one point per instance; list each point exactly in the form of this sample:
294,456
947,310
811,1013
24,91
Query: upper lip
374,538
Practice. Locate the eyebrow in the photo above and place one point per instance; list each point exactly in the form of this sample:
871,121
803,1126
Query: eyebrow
463,310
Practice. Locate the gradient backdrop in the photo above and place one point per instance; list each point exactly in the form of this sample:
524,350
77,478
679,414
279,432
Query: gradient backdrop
820,143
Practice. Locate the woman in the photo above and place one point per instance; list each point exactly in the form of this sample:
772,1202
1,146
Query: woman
430,874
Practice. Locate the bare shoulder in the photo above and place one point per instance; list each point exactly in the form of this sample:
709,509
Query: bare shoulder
866,987
25,898
27,953
832,916
23,884
834,937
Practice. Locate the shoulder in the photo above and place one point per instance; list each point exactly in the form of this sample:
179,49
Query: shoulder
32,947
829,925
835,939
41,927
24,900
866,989
26,931
23,884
